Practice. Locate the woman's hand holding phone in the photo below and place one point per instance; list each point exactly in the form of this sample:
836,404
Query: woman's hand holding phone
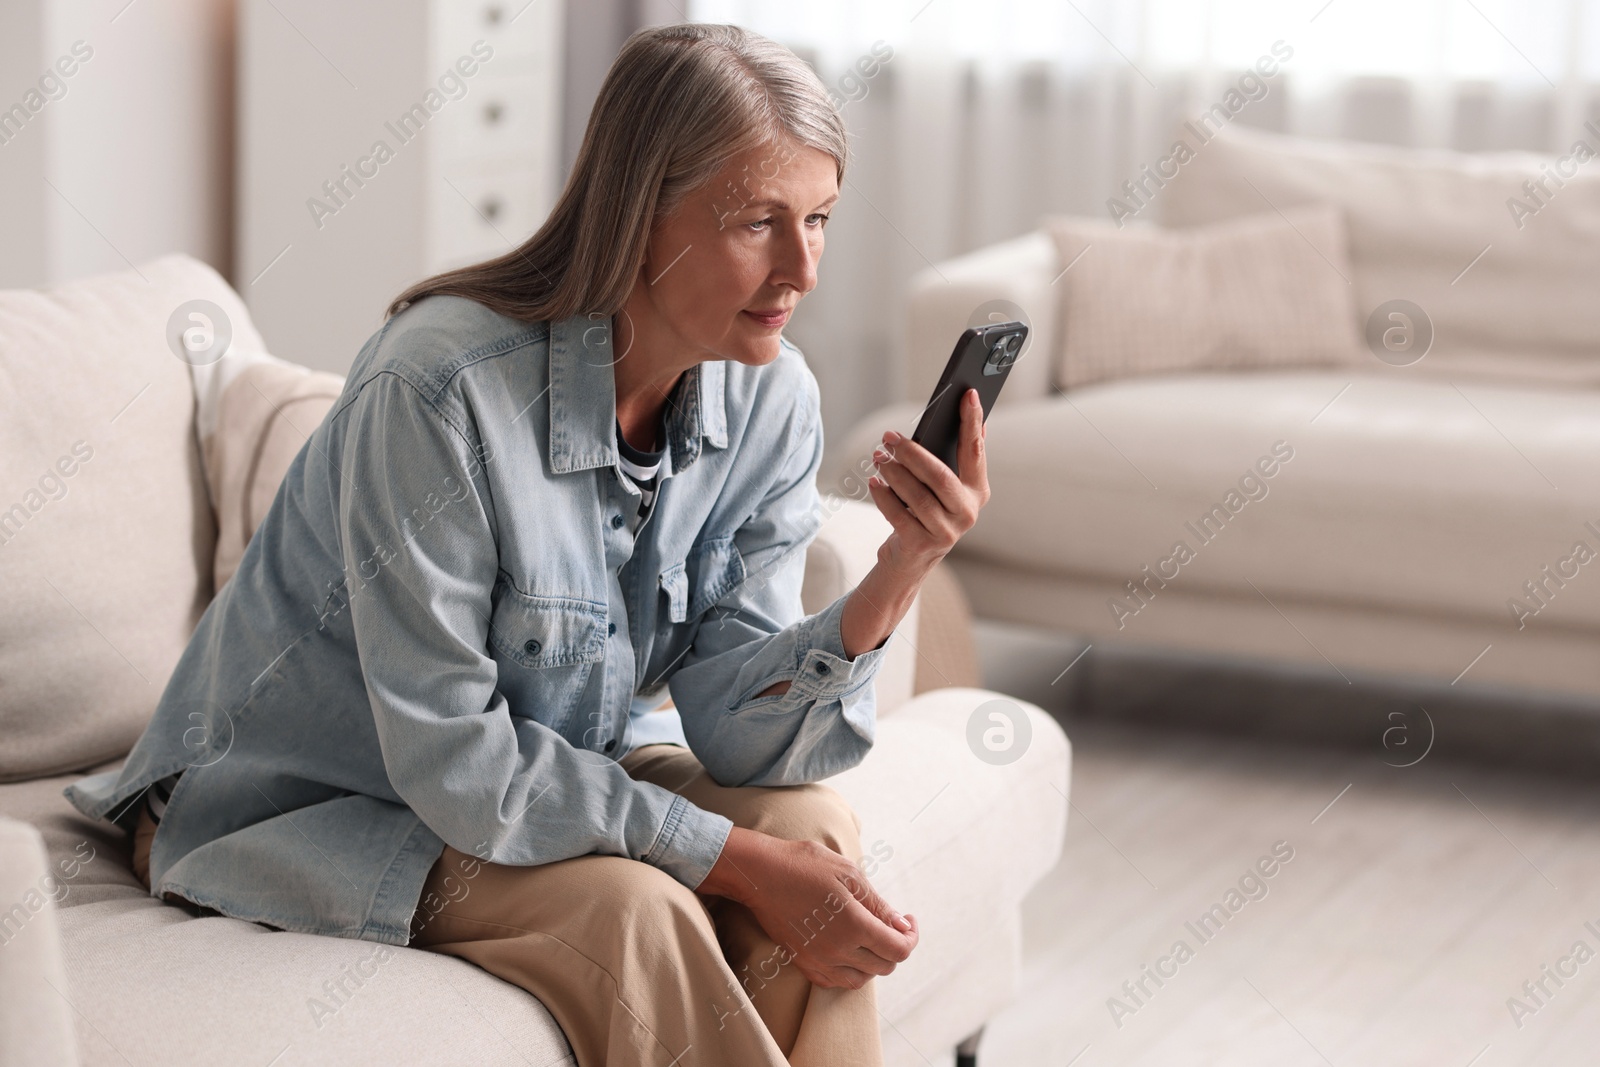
928,505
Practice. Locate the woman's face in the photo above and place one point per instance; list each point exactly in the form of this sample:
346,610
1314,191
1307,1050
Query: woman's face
722,275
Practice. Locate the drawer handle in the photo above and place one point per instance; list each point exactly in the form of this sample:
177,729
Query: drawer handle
493,14
491,208
493,112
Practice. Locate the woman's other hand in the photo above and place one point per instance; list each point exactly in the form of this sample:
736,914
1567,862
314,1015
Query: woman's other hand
815,903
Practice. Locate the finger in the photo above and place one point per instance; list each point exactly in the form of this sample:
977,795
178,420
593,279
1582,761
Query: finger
916,496
863,959
836,976
868,898
850,977
878,937
894,509
928,468
971,458
876,932
817,975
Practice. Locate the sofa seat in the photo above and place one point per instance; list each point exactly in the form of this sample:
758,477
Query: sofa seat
151,982
155,983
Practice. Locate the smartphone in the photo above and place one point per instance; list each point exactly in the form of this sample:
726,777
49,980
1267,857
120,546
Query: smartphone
982,358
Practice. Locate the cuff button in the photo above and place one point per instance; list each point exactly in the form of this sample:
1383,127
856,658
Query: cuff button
822,668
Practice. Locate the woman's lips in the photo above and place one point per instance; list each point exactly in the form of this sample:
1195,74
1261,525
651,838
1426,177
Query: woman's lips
769,320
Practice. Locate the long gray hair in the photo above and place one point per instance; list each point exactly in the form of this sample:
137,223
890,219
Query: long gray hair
678,104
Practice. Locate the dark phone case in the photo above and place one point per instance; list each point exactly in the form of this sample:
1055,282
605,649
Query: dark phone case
939,429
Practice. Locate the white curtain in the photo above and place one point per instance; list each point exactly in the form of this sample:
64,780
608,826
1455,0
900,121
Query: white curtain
992,113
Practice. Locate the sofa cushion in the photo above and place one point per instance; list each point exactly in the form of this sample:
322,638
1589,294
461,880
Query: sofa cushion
1264,290
1412,495
254,413
106,534
157,986
1508,288
159,983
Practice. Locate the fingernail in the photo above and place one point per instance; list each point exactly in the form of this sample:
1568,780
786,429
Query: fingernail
901,924
892,437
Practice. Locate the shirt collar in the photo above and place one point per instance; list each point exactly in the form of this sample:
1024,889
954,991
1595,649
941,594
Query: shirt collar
583,400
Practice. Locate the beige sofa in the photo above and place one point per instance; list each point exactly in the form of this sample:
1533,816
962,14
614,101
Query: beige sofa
137,478
1421,500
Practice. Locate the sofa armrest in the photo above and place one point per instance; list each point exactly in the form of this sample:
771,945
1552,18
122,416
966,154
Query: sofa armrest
844,550
944,296
36,1027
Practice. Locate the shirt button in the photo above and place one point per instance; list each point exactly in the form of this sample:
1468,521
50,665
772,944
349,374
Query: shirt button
611,627
531,647
822,668
617,521
611,745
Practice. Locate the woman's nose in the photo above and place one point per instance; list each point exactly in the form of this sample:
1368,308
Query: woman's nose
797,263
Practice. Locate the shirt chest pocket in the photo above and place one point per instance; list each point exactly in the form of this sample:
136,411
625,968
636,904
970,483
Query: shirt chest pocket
557,639
692,585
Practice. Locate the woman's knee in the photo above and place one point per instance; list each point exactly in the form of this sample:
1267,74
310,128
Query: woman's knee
635,895
814,812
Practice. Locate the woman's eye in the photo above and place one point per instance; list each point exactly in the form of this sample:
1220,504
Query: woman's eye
818,219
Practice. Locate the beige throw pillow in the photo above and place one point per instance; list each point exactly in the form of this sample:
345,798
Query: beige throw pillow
1264,291
254,413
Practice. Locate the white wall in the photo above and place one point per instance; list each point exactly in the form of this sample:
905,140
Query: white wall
133,159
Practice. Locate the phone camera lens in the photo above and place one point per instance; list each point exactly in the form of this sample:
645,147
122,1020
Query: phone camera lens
1004,351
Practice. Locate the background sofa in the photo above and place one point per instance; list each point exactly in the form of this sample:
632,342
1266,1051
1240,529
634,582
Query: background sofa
1421,499
131,480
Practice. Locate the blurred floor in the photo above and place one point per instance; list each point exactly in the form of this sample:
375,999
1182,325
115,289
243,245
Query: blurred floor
1415,905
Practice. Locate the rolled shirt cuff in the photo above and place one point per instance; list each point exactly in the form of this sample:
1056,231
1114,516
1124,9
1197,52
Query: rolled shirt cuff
825,671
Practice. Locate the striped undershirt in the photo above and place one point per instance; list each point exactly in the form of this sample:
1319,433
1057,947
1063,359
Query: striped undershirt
646,469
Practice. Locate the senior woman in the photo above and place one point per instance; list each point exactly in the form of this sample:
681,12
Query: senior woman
558,487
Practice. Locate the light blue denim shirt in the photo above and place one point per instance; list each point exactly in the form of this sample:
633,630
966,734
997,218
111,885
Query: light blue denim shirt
448,629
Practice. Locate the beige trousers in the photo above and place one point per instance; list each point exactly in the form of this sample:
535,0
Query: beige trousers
637,968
